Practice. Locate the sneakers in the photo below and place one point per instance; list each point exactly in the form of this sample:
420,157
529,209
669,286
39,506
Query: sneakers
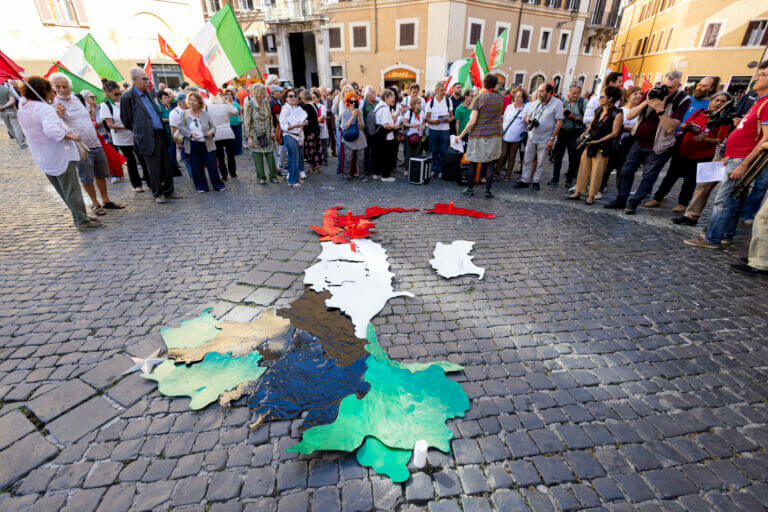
468,192
700,242
388,180
521,184
302,175
114,179
680,208
685,221
746,269
262,182
598,196
652,204
90,224
376,176
616,204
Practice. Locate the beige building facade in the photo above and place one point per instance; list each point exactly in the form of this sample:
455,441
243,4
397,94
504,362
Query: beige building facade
384,42
698,37
38,32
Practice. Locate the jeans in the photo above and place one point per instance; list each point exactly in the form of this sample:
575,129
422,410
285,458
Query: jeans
680,167
755,199
636,157
645,187
726,210
238,129
198,156
566,141
439,142
295,158
185,159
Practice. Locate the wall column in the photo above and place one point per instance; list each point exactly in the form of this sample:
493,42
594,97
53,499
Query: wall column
284,55
323,57
572,61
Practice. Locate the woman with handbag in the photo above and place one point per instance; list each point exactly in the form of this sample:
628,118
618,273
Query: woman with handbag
598,141
352,135
413,122
311,133
514,131
257,121
293,119
198,131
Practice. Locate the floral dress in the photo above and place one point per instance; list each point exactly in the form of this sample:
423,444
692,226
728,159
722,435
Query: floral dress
258,123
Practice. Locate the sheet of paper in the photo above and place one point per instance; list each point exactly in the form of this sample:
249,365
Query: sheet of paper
457,144
709,171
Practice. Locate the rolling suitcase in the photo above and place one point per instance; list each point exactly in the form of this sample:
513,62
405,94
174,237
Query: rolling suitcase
419,171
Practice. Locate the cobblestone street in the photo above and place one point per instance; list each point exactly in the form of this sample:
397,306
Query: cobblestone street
609,366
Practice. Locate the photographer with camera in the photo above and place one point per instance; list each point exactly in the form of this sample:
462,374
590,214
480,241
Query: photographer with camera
658,117
573,126
702,131
544,120
741,148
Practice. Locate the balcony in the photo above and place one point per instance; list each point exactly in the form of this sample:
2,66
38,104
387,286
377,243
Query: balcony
291,11
605,20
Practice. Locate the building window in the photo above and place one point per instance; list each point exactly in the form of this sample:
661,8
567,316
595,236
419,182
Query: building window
545,37
475,28
337,75
407,34
581,80
669,37
658,43
524,43
168,74
756,34
519,78
711,31
645,45
500,28
336,37
269,44
556,82
650,46
588,45
253,43
213,5
536,81
562,45
69,13
246,5
358,33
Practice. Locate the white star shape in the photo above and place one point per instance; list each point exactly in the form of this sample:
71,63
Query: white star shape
145,364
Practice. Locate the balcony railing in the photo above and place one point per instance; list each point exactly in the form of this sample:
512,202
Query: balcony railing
290,10
603,19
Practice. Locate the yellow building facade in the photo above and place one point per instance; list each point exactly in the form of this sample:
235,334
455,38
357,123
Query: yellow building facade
698,37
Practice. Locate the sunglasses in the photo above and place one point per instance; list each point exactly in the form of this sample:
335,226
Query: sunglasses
291,96
196,122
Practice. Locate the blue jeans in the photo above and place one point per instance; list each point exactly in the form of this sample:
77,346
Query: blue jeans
295,158
725,210
199,156
755,199
238,130
636,157
185,159
339,150
439,142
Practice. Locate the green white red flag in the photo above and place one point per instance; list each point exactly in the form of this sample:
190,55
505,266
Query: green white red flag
86,60
459,73
498,50
478,69
78,84
218,53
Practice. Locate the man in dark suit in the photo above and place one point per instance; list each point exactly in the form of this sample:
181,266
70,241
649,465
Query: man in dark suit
140,113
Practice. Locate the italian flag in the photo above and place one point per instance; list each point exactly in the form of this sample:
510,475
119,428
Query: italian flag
498,50
459,74
88,61
218,53
78,84
478,69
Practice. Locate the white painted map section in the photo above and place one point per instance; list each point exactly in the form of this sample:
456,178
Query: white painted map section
453,260
359,282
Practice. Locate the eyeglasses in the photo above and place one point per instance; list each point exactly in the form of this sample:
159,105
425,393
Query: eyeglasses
760,75
291,96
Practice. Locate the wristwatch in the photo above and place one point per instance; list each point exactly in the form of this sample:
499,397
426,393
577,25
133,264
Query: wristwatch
552,138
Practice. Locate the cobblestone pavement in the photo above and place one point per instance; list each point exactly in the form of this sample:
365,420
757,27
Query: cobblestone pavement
608,365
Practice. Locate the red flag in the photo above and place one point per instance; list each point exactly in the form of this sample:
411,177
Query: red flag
647,86
166,49
148,71
475,72
9,69
53,69
626,78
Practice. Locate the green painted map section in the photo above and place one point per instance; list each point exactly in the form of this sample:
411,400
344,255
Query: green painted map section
380,354
387,461
206,380
403,406
191,333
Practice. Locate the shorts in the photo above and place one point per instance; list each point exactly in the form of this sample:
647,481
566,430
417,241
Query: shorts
94,166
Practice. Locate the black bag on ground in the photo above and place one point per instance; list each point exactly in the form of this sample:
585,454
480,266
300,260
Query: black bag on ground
451,165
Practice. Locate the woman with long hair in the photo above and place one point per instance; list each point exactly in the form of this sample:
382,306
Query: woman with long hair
257,119
219,112
311,132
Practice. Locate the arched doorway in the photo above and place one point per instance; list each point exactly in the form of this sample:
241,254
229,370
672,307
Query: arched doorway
536,81
401,76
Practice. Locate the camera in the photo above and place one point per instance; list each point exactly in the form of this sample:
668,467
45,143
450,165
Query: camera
567,113
533,124
660,92
723,116
582,141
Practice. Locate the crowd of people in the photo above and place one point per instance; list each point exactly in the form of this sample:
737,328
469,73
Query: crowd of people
470,135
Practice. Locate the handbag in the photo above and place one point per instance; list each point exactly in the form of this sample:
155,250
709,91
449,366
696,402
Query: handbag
278,136
414,138
352,132
81,150
177,137
262,140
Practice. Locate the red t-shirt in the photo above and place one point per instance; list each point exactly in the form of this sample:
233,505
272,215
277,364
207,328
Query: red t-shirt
691,148
646,130
744,137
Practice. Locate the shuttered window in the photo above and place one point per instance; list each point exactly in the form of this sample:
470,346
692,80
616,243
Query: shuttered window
407,34
360,37
756,34
334,38
710,35
70,13
525,39
475,31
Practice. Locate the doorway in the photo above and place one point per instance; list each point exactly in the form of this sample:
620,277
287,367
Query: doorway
303,59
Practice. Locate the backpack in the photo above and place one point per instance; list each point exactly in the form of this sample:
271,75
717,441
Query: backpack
370,122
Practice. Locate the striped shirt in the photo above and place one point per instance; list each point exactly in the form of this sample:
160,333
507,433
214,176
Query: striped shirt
490,107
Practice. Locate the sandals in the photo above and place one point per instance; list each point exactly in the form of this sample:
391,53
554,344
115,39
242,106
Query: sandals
98,210
113,206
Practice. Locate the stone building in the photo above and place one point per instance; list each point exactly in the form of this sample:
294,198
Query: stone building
382,42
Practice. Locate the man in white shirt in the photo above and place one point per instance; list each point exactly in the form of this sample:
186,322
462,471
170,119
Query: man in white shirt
174,119
95,167
544,120
385,146
439,119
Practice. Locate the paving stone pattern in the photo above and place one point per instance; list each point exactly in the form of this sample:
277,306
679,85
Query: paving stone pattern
608,365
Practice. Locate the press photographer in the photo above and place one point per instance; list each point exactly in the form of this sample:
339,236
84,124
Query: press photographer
544,120
573,126
659,115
